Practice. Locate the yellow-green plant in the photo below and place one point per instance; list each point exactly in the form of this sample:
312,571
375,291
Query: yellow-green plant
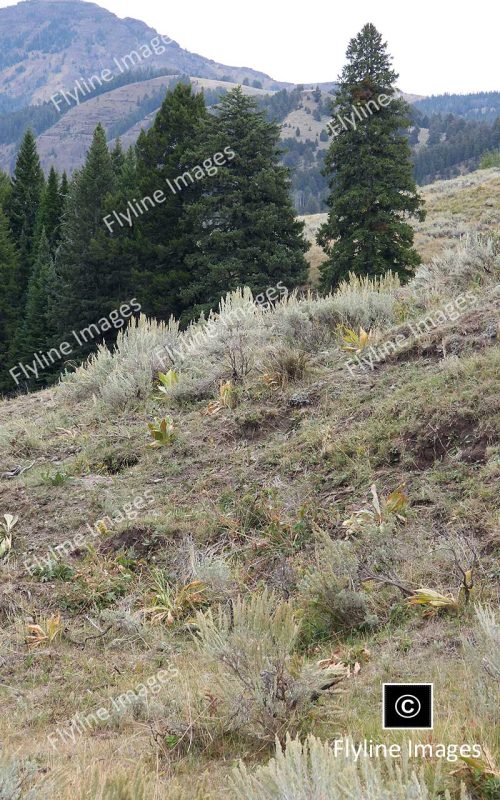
162,432
167,380
433,601
354,342
382,510
44,633
226,398
173,603
6,527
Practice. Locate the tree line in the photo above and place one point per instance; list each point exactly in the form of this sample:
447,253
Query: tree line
63,267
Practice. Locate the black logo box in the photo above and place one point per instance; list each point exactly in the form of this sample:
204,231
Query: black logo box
407,706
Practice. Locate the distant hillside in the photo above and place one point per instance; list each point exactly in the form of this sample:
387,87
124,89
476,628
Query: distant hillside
483,106
47,45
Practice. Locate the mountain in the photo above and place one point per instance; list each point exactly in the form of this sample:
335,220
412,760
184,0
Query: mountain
49,45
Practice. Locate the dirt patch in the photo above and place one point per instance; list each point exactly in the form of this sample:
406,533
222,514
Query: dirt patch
261,422
435,441
139,540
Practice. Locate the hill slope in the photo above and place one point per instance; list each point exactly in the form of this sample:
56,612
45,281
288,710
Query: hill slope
259,515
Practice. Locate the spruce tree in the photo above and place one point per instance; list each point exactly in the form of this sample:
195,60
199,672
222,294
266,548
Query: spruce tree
8,297
38,330
63,189
243,227
23,205
164,153
81,258
372,190
50,212
5,189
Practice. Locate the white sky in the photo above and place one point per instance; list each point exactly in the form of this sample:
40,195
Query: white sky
438,45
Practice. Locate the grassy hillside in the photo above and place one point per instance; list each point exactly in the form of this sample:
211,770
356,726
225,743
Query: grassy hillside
256,567
454,208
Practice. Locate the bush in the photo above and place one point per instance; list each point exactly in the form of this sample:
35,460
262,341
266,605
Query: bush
259,690
330,602
474,262
15,776
310,771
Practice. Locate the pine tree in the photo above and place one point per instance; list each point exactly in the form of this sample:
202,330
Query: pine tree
8,297
81,258
373,192
243,228
24,201
164,152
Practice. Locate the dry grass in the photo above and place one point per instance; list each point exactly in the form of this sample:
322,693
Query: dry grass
240,500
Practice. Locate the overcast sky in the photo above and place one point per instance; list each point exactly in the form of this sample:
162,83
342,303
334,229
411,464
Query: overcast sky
438,45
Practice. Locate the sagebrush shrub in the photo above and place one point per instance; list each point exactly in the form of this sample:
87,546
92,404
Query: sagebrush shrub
260,690
310,771
330,601
15,777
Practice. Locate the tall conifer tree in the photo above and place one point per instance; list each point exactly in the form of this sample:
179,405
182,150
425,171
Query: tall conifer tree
50,212
244,231
23,205
81,258
164,153
39,329
372,190
9,312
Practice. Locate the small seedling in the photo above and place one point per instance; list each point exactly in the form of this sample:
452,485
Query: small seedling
55,479
172,603
6,527
162,432
226,399
382,510
354,342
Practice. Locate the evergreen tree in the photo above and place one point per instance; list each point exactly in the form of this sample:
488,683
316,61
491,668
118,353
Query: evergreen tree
50,212
243,227
372,188
8,297
81,259
24,201
63,188
5,189
117,157
39,330
164,153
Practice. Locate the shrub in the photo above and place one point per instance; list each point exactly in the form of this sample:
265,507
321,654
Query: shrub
124,375
310,771
331,603
15,775
284,364
475,261
259,690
